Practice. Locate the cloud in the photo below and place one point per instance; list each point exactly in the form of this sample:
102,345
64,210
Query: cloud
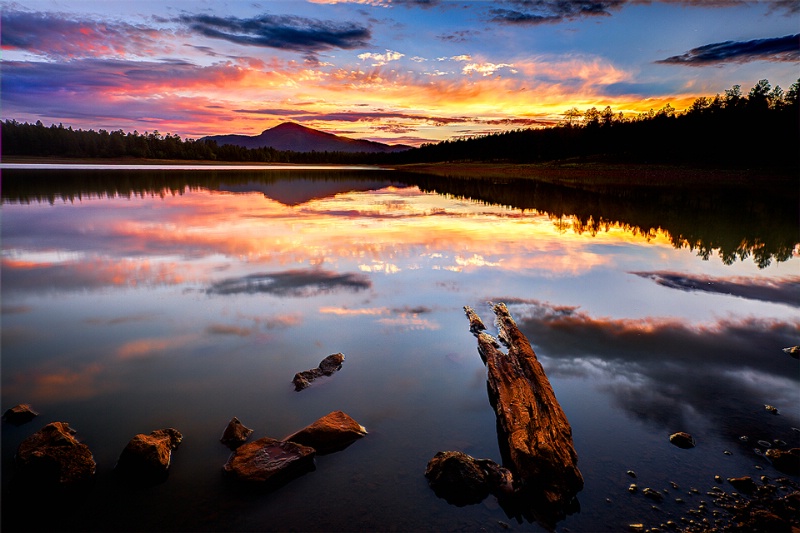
381,59
534,12
59,35
664,371
383,3
784,291
484,69
292,283
786,48
284,32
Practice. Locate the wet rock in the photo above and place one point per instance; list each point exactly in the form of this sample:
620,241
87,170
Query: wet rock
794,351
20,414
269,461
235,434
744,484
326,367
333,432
631,473
463,480
534,433
633,488
653,494
147,458
771,408
682,440
53,456
787,461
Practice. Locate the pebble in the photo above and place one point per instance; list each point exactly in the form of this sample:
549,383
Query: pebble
718,479
674,485
772,409
633,488
765,444
744,438
728,452
631,473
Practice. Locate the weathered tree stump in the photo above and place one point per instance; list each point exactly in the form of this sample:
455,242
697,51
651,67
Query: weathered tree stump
534,433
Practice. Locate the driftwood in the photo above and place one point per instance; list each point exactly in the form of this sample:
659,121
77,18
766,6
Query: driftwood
534,433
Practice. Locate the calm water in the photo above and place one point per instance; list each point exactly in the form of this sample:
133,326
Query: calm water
138,300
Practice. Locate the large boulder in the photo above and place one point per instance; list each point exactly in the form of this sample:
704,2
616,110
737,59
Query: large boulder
787,461
20,414
269,461
53,457
326,367
235,434
463,480
333,432
147,458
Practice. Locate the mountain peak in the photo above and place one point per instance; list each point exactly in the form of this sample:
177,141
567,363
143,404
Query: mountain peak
299,138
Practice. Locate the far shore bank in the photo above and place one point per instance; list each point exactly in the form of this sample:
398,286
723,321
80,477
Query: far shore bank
575,173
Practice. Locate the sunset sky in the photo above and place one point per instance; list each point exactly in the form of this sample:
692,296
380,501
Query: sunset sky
396,71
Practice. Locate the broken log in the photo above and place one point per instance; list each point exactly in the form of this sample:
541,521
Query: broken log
534,433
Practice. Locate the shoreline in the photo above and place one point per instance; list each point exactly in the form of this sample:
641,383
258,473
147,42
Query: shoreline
584,174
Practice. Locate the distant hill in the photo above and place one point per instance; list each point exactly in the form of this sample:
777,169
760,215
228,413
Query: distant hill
297,138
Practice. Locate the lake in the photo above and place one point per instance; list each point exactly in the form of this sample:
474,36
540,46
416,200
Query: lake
135,300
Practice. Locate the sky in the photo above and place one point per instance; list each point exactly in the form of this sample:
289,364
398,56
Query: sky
394,71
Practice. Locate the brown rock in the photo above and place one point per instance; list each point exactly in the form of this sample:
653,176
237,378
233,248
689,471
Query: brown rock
148,457
787,461
235,434
20,414
682,440
744,484
326,367
333,432
269,461
52,456
463,480
534,433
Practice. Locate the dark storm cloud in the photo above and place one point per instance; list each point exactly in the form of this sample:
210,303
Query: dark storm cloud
292,283
534,12
786,48
784,291
666,371
285,32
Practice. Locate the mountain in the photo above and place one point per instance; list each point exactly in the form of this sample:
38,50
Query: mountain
291,136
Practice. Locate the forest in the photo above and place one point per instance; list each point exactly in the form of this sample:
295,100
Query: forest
759,128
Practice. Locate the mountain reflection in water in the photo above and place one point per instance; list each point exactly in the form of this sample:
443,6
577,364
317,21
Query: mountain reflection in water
133,301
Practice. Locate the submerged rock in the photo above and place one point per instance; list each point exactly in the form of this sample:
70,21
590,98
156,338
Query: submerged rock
333,432
682,440
463,480
53,456
235,434
787,461
326,367
147,458
269,461
20,414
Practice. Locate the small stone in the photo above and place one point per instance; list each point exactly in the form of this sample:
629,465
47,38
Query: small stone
636,527
20,414
772,409
744,438
653,494
743,484
682,440
674,485
633,488
727,452
718,478
794,351
787,461
235,434
631,473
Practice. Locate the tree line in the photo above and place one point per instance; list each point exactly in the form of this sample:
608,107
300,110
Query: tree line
759,128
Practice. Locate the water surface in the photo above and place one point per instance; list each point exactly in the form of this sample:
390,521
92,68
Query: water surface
134,300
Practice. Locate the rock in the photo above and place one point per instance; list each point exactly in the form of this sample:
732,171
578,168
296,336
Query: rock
682,440
772,409
333,432
463,480
744,484
52,456
269,461
20,414
235,434
787,461
147,458
653,494
534,433
326,367
794,351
